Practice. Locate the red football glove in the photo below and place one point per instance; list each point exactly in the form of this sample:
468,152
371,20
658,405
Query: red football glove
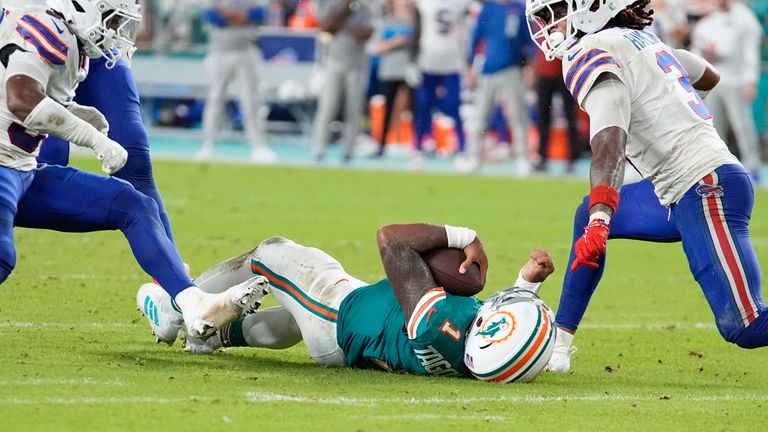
590,246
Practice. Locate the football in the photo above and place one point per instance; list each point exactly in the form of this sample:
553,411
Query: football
444,264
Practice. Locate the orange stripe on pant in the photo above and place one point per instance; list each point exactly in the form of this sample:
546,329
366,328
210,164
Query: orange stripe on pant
298,295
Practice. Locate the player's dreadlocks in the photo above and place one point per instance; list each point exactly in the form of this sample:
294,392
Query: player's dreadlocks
634,17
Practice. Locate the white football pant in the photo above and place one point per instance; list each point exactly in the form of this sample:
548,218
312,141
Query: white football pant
308,283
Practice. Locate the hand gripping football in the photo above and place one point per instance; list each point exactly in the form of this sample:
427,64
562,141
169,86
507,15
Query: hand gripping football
444,264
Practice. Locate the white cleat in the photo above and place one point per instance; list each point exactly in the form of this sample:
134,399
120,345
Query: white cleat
204,313
164,319
196,345
560,360
561,354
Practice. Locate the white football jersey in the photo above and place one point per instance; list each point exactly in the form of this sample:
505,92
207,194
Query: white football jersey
441,44
671,140
32,29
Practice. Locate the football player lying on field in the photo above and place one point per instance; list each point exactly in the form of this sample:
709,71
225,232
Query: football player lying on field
405,322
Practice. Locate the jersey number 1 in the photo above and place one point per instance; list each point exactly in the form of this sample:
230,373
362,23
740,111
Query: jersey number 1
667,62
450,330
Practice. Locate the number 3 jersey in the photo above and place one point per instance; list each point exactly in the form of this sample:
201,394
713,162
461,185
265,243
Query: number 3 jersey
671,140
51,57
373,331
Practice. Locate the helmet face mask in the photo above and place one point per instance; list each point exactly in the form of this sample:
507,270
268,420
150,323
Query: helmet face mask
511,338
549,26
546,17
106,28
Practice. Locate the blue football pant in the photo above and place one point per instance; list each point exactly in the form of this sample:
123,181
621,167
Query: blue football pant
13,185
739,313
69,200
113,92
442,92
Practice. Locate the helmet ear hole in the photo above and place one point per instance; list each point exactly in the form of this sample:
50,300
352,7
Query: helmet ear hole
78,6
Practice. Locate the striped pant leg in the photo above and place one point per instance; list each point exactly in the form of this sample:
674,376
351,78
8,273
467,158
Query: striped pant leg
311,285
713,220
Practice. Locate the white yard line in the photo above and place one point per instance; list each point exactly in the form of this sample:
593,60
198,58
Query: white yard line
61,325
104,401
274,397
372,402
429,417
61,382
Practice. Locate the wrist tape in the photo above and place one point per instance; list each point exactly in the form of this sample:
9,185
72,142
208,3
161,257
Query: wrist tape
459,237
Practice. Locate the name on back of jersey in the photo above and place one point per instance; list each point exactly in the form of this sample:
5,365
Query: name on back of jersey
641,39
434,362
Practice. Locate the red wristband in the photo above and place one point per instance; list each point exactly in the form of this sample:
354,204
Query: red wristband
604,194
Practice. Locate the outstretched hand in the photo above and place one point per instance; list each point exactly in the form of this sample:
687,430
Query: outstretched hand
475,253
539,267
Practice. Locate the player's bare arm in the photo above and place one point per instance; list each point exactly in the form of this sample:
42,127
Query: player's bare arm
708,80
608,150
608,105
608,147
704,77
401,246
24,93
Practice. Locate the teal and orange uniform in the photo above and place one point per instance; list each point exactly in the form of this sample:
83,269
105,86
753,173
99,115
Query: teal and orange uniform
374,333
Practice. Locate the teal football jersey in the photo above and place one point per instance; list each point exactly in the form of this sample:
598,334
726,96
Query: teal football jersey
373,331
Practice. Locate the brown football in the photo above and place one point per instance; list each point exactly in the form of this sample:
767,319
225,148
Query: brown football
444,264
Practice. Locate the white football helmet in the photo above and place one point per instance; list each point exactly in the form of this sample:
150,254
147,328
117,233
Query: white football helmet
106,28
511,339
587,16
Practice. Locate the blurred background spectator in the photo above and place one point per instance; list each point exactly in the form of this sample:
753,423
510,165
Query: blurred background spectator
392,44
729,37
349,23
501,29
234,58
439,53
171,80
549,83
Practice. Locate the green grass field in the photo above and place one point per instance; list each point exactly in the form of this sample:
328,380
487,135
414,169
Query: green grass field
77,356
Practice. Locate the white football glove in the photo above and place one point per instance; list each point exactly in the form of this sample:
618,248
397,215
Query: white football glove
90,115
111,154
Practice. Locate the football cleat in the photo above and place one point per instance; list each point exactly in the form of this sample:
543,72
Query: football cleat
204,313
561,355
196,345
164,319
